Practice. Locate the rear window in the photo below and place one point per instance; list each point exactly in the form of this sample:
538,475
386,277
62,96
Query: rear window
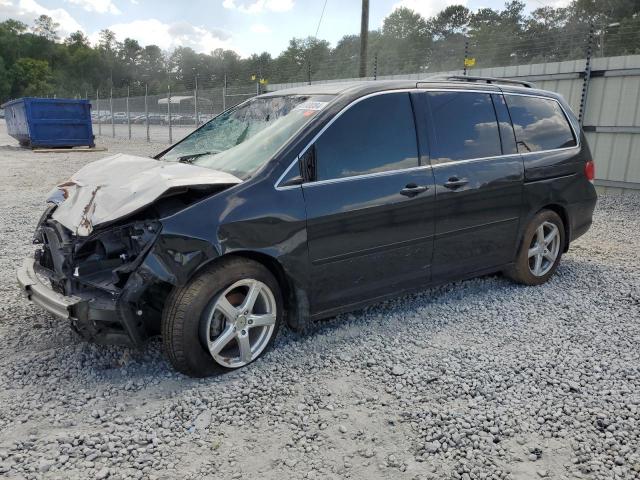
539,124
464,126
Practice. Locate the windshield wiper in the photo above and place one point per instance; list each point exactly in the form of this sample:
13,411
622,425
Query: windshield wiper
192,156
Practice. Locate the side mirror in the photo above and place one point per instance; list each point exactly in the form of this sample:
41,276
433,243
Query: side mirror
293,181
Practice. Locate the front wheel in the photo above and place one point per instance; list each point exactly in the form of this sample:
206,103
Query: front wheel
223,319
540,251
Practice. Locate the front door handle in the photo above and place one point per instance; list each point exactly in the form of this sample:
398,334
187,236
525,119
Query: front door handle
455,182
411,190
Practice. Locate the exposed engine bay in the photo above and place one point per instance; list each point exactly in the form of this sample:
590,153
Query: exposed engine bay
103,260
90,257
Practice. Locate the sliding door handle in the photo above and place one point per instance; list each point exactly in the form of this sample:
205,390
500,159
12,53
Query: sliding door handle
411,190
455,182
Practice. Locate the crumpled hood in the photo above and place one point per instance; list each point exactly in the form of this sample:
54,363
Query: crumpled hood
119,185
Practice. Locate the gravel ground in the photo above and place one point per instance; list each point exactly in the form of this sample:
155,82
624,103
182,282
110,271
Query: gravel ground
473,380
157,133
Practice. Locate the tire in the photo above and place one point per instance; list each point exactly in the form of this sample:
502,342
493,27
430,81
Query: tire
196,318
524,269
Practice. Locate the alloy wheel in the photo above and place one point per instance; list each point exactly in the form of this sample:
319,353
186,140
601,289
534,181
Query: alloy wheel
544,249
239,323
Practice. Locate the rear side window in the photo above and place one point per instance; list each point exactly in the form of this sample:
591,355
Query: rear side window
539,124
375,135
464,126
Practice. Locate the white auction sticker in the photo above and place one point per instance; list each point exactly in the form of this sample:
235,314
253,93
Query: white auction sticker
311,106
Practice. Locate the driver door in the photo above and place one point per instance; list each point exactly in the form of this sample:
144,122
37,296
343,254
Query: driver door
370,217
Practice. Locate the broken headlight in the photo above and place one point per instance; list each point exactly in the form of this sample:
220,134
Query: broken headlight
111,255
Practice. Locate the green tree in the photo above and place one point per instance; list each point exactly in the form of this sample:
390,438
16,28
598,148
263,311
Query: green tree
450,21
406,42
31,78
44,26
11,32
77,40
5,82
129,60
449,29
302,57
152,67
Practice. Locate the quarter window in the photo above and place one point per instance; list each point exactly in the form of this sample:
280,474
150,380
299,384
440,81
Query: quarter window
539,124
374,135
464,126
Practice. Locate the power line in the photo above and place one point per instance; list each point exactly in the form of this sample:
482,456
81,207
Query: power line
320,21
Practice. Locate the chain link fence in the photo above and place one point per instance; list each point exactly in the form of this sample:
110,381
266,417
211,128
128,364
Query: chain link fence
162,118
169,116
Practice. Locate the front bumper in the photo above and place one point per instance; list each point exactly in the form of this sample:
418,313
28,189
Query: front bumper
62,306
96,316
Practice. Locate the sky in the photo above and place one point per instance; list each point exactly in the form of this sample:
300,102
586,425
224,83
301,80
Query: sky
246,26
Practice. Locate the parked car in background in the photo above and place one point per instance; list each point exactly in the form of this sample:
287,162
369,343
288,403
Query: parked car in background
189,119
204,118
140,119
155,119
120,117
176,119
304,203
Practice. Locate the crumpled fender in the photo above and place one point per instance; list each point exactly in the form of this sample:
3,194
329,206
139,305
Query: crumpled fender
240,221
174,259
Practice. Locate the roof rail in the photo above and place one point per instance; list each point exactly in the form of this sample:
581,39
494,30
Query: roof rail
466,78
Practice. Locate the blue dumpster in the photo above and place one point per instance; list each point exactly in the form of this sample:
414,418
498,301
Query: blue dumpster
49,122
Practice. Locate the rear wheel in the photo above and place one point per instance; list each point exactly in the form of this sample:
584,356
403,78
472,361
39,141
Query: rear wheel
540,251
223,319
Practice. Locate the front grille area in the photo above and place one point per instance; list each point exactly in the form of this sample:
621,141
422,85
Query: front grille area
103,260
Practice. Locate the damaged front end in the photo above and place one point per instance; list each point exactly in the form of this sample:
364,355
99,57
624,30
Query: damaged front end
95,235
92,281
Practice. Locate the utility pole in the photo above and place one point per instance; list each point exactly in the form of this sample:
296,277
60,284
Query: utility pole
364,38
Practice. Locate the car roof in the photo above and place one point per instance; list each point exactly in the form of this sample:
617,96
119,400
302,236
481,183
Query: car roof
364,87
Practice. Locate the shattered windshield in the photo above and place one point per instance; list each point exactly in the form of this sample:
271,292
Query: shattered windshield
244,138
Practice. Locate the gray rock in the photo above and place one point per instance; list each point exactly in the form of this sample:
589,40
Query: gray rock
574,387
102,473
433,447
44,465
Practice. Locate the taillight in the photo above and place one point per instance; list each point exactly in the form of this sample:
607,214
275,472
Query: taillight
590,170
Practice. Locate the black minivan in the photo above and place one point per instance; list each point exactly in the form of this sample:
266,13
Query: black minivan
304,203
